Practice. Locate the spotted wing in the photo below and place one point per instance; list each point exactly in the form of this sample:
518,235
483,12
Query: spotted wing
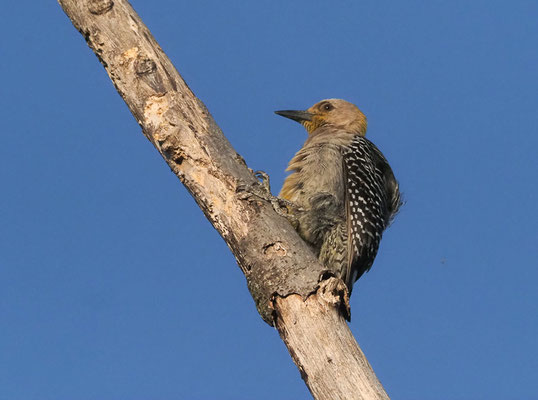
372,199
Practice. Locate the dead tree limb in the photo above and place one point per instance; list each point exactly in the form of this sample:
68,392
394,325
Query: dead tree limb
282,274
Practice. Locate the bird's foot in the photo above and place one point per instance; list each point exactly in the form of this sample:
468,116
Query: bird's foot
264,180
282,207
262,190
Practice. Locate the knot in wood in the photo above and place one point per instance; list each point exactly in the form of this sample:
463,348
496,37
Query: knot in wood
275,249
145,66
99,7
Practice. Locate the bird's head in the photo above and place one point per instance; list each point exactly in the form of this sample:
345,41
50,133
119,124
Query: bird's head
331,112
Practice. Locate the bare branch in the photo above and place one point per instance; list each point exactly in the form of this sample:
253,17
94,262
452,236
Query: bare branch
280,269
324,348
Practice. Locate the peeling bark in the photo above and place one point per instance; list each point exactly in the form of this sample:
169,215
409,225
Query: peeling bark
282,274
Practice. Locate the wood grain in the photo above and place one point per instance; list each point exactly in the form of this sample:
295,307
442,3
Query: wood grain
282,274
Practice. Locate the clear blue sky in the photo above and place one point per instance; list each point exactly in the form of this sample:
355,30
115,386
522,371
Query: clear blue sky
114,286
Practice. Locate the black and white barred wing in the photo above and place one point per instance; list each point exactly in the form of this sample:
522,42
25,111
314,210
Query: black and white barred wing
371,190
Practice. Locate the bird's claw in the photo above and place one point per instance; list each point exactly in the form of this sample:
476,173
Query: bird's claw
247,191
262,190
264,180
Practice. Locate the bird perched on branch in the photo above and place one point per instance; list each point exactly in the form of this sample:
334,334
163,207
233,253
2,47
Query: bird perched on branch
341,193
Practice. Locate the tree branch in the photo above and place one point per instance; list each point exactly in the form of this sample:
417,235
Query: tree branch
282,274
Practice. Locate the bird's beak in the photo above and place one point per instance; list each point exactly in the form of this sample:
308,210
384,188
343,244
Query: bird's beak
296,115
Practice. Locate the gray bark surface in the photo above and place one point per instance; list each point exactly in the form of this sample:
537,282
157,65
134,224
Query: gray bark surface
282,273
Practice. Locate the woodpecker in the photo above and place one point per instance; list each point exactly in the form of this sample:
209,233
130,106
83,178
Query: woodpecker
342,190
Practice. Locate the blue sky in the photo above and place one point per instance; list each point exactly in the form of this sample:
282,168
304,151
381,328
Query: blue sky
114,286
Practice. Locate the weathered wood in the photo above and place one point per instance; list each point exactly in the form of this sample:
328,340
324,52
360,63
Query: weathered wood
323,347
185,134
278,265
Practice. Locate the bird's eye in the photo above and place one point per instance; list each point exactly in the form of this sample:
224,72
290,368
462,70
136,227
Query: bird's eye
328,107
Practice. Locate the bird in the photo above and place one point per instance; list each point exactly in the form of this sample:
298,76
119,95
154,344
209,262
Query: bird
341,191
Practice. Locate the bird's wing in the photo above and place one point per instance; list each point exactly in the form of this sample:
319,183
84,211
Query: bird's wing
368,197
392,189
